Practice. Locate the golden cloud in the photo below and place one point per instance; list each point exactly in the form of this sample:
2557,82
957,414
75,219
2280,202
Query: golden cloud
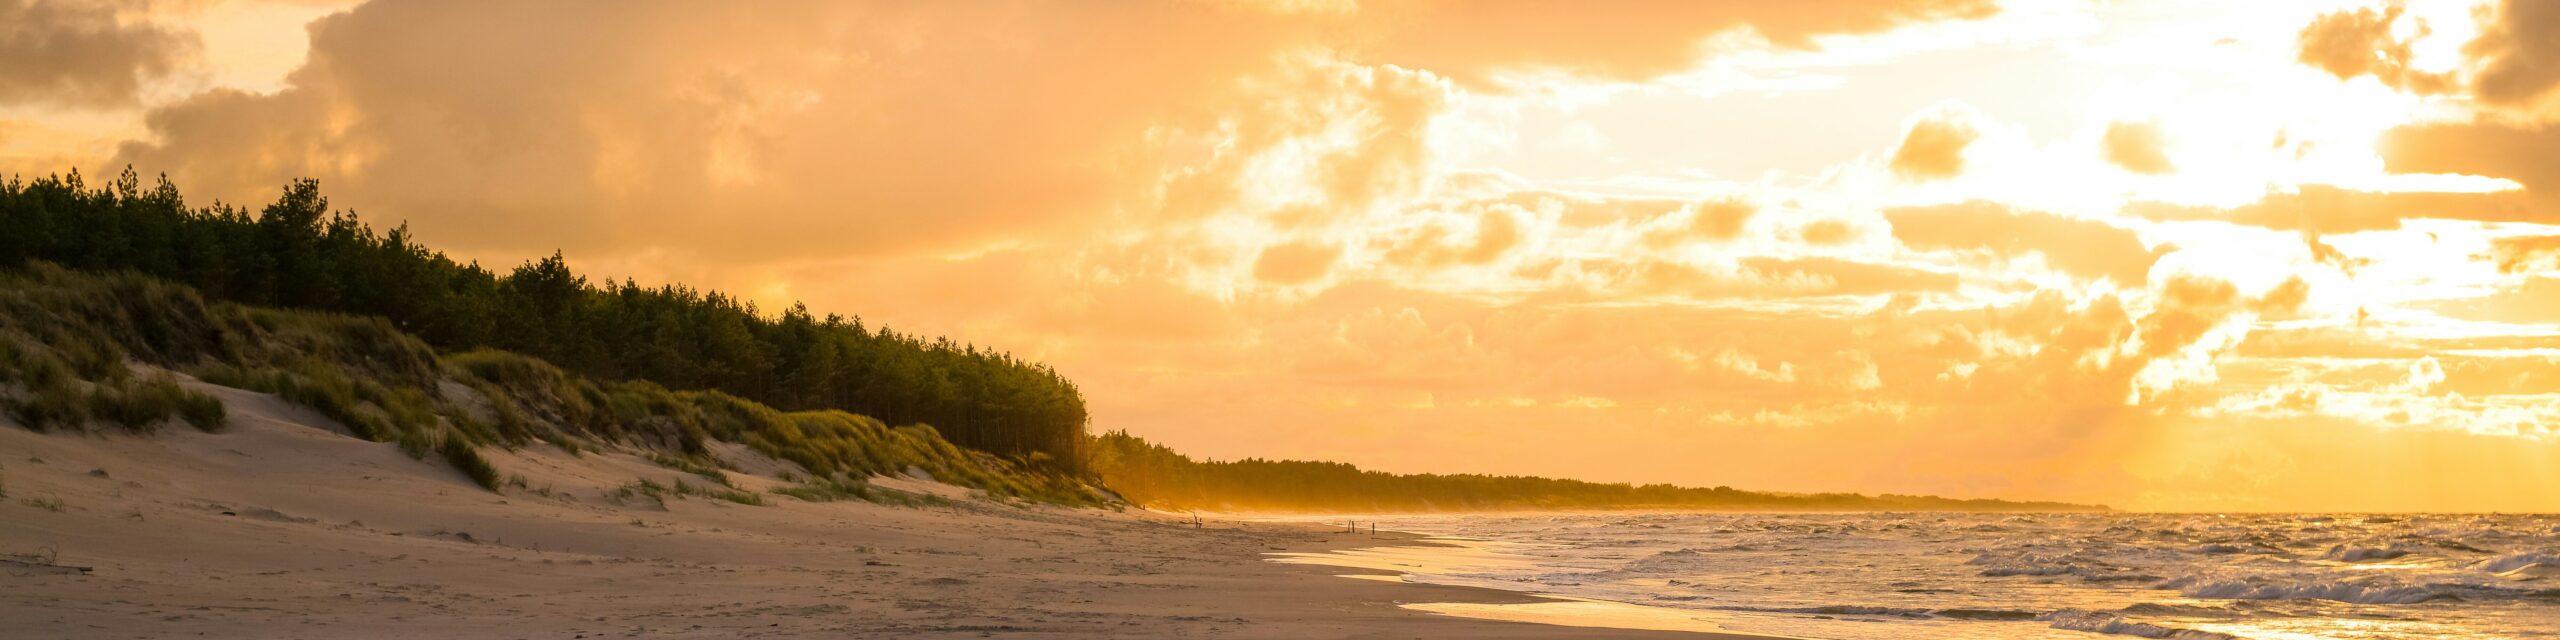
2516,51
2086,248
2356,43
82,53
2138,147
2330,209
1934,147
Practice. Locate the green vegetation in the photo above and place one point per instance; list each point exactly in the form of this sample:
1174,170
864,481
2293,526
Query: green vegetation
384,385
141,405
1152,475
707,470
825,490
463,457
658,493
47,503
298,254
61,369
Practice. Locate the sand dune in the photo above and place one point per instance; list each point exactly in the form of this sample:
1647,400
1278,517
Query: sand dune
284,527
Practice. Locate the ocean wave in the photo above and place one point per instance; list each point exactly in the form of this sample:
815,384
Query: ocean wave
1835,610
2181,610
2103,622
2514,561
2043,565
2432,577
2337,590
1915,613
2345,553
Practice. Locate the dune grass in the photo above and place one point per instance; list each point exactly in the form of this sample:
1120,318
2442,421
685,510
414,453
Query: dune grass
71,344
835,490
658,493
48,503
466,459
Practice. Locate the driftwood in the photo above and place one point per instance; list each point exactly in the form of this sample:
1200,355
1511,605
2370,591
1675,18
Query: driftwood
43,563
24,566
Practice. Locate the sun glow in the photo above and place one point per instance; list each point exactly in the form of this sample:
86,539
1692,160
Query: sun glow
1790,245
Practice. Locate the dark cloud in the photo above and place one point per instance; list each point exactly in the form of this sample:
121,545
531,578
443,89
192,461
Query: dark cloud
80,53
2519,53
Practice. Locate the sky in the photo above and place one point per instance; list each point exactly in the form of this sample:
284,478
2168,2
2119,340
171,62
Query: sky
2157,254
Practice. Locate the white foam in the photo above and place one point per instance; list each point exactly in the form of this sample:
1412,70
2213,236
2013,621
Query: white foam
2341,591
2514,561
2101,622
2344,553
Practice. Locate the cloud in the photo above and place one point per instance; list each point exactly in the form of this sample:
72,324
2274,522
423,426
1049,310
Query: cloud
2519,53
779,134
1712,219
2507,66
1474,40
82,53
2139,147
1295,262
1757,277
2527,154
2522,254
1934,147
2356,43
1827,232
2532,301
1833,276
2330,209
1496,229
2081,247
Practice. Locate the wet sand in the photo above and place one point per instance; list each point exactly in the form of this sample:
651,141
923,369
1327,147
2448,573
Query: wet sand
283,528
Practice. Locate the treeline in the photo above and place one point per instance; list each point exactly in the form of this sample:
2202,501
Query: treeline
298,253
1154,476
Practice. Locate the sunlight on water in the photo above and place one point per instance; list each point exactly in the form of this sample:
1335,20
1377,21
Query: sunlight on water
1860,576
1582,613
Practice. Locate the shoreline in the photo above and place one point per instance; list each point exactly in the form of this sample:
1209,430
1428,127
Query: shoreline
283,528
1410,552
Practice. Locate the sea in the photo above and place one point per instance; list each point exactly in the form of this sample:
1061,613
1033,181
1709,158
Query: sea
1992,575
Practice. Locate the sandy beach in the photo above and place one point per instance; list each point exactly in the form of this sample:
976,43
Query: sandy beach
282,527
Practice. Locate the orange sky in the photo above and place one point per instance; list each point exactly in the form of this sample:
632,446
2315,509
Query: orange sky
2168,254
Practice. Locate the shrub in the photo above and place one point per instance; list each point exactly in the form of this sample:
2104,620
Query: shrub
203,411
831,490
658,493
828,491
56,405
141,406
691,465
463,457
